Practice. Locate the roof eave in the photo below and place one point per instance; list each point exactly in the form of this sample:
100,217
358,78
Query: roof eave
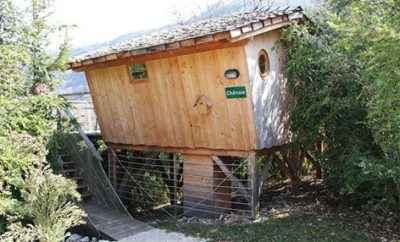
234,35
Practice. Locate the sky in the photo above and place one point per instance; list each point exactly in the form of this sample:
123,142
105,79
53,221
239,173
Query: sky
98,21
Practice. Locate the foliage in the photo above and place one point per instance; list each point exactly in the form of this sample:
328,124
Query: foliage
343,73
43,66
150,192
35,204
35,115
14,53
151,182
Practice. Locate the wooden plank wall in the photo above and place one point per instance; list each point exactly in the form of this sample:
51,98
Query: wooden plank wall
159,112
271,99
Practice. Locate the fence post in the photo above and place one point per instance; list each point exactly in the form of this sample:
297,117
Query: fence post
112,167
175,185
252,170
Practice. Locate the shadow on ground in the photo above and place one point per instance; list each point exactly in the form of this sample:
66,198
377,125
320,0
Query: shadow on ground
306,213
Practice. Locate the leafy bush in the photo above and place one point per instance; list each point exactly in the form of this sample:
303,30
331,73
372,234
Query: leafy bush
151,192
343,73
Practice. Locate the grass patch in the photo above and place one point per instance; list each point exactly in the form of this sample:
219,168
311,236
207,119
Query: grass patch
292,228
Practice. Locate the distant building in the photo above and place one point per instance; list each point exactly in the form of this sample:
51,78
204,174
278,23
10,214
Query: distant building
75,90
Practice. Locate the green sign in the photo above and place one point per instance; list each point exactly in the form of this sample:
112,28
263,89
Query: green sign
235,92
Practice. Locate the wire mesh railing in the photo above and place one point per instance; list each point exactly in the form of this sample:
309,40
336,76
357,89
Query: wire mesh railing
155,185
170,185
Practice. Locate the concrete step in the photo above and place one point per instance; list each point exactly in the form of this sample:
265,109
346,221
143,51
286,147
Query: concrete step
69,171
86,196
83,187
68,164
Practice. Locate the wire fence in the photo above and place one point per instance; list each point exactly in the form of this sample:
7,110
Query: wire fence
166,184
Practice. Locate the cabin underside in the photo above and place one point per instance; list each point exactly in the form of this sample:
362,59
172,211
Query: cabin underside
193,185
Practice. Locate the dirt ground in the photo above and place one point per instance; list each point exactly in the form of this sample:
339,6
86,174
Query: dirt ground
312,198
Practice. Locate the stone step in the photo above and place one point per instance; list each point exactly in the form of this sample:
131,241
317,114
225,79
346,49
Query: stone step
69,171
68,164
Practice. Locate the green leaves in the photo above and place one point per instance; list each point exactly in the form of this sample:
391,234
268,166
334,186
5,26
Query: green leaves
344,74
36,115
35,204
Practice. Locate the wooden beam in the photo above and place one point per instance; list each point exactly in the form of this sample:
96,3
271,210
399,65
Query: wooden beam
267,28
174,45
175,172
228,173
112,155
183,150
205,39
247,28
262,175
236,33
140,56
274,149
257,25
111,57
252,170
188,43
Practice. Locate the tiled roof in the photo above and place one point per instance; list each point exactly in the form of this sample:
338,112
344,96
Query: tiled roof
234,26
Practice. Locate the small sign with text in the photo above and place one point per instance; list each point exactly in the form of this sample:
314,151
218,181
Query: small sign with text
235,92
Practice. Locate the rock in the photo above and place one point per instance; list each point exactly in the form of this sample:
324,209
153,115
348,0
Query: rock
85,239
74,238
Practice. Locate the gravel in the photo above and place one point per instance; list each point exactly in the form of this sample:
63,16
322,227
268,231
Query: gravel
153,235
159,235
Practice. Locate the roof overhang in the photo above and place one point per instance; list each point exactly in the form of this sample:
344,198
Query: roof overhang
222,39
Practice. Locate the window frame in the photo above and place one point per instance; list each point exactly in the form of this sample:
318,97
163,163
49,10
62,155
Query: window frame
130,73
267,64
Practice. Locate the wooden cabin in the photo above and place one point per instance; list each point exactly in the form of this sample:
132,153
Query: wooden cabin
208,89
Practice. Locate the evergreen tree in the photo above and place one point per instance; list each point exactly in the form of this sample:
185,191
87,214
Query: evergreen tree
35,203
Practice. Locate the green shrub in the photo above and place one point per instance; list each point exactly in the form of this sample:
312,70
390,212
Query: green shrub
343,73
35,204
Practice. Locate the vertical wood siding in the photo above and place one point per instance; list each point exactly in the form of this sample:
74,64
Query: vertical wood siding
160,111
270,97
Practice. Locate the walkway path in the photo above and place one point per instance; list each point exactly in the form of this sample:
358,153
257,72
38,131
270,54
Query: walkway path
158,235
113,223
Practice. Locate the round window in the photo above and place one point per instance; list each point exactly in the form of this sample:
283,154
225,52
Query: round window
263,64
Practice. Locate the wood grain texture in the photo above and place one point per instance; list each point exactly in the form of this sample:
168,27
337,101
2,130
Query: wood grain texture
198,187
161,111
270,96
